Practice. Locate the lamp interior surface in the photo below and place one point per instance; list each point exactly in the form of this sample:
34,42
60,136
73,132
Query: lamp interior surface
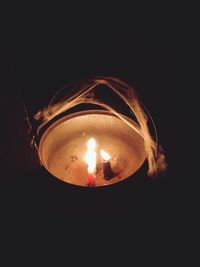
64,143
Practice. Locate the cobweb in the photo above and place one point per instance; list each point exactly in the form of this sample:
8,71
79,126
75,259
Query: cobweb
84,92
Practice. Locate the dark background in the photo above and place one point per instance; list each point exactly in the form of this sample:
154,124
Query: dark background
37,61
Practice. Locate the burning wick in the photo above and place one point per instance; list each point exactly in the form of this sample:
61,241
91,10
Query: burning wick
90,158
107,172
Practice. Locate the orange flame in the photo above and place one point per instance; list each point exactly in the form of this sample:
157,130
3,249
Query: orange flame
105,156
90,156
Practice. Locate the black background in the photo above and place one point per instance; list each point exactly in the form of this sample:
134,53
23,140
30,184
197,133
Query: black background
37,61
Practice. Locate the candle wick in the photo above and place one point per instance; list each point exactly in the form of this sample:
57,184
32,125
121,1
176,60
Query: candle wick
107,171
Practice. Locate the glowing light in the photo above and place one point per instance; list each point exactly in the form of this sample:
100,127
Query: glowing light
90,156
105,156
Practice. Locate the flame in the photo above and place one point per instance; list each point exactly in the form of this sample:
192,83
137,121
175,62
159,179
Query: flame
90,156
105,156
